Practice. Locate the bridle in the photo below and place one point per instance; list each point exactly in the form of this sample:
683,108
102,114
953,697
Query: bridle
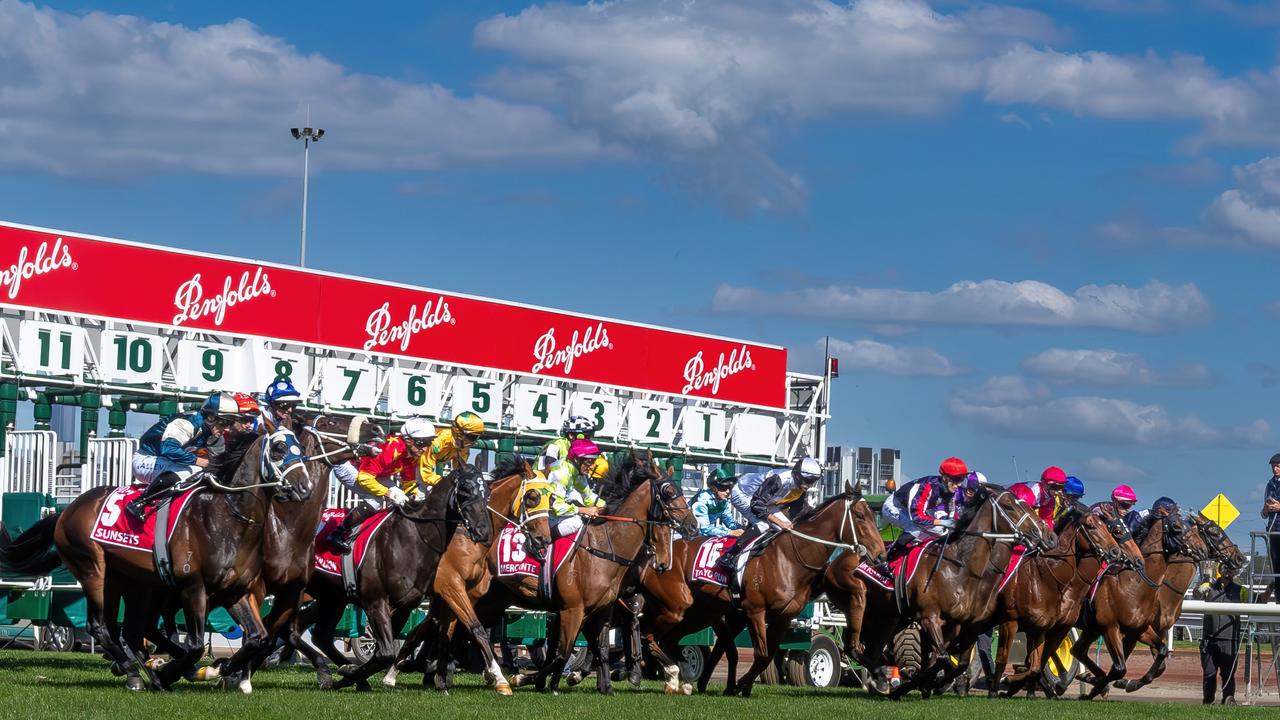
846,520
276,472
1216,541
1018,536
343,443
478,493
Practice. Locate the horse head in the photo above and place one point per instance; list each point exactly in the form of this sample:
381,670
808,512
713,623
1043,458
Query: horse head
469,501
1093,536
284,463
669,507
335,436
1183,538
1009,515
864,521
1220,546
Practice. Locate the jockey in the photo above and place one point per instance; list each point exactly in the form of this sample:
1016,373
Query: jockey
348,475
575,427
761,500
711,507
572,496
390,475
1047,494
451,446
1123,498
924,508
178,446
279,401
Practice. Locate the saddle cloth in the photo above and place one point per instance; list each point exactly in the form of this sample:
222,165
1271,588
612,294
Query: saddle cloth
116,527
327,558
1015,561
904,565
874,576
705,567
513,559
562,548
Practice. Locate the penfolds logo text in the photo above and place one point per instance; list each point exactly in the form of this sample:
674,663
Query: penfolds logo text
383,331
193,303
547,354
46,261
697,376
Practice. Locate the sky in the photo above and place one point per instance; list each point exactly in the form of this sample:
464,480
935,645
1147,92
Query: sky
1034,232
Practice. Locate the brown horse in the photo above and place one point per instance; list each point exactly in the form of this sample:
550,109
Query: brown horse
216,545
587,584
399,567
1125,604
952,595
871,612
1048,590
288,544
778,583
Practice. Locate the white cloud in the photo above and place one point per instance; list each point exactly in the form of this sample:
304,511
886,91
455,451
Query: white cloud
110,96
1099,420
1014,119
872,356
1011,390
1250,213
1153,308
1108,368
1113,470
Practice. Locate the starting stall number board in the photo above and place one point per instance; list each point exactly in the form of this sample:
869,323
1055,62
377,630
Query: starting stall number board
207,366
348,383
602,410
538,407
415,392
482,396
651,422
703,428
272,364
51,349
129,357
754,434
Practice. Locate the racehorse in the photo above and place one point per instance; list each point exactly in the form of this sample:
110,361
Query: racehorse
216,544
1048,590
777,582
1124,605
952,595
870,611
587,583
288,543
398,568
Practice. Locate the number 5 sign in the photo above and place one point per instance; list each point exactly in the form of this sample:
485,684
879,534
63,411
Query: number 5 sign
481,396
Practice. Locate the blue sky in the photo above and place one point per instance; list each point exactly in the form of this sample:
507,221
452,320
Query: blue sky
1045,230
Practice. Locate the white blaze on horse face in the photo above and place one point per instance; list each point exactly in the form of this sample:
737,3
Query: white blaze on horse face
46,261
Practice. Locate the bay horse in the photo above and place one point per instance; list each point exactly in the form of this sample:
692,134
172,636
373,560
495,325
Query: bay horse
399,567
1048,590
777,585
953,593
587,583
216,544
871,612
288,544
1124,605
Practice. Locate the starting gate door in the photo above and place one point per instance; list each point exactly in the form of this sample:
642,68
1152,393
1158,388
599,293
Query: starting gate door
110,462
29,463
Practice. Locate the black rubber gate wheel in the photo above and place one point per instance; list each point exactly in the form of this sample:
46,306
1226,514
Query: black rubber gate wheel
693,658
906,650
794,666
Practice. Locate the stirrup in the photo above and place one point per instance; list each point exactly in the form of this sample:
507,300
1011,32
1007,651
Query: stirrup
338,539
137,509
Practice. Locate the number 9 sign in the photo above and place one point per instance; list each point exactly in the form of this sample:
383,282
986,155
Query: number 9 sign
206,367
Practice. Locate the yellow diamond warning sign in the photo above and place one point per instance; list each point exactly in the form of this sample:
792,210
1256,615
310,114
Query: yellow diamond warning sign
1221,511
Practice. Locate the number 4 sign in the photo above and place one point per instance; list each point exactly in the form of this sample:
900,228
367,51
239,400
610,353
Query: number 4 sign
538,407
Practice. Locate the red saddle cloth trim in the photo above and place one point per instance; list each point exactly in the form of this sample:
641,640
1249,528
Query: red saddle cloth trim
327,558
1015,562
1097,582
513,560
562,548
874,575
115,526
911,559
706,567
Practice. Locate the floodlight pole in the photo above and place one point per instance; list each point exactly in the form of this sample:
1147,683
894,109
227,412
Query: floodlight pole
306,135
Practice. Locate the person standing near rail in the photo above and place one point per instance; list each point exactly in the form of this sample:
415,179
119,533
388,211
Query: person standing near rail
1271,514
1220,639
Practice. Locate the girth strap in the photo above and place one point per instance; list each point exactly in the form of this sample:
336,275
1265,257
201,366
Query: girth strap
164,563
349,584
604,555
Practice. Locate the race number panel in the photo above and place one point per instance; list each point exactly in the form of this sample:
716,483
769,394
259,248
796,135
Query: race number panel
651,422
348,383
603,410
538,407
415,392
481,396
207,366
50,349
703,428
271,364
754,434
130,357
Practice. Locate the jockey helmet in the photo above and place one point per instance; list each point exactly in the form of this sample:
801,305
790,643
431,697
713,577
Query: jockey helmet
954,467
583,449
418,429
281,390
973,480
1124,494
1073,487
806,471
1053,475
467,425
578,427
721,479
246,406
229,407
599,468
1164,503
1023,493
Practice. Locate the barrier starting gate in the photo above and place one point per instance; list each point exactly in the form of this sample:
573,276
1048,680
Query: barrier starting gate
109,462
29,464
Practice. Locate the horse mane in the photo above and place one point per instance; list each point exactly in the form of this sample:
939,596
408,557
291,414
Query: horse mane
509,464
620,482
226,464
810,512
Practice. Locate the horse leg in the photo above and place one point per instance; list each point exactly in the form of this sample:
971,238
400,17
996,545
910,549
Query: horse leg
596,628
631,639
1007,631
1080,650
661,642
570,621
1161,649
381,624
454,593
726,631
1115,648
764,642
123,639
404,658
328,614
301,620
248,616
1035,663
194,609
855,608
441,623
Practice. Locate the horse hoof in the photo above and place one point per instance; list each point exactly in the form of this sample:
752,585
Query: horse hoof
326,683
573,678
389,680
206,673
686,689
246,686
504,689
135,684
116,670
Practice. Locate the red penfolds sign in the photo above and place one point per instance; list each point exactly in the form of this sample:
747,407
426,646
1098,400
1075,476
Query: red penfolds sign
61,272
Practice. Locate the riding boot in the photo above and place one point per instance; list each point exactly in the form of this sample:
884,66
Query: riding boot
345,534
728,562
138,507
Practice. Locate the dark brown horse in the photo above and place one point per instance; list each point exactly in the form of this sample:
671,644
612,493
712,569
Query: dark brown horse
399,568
1125,606
587,584
952,594
216,546
288,545
1048,591
870,611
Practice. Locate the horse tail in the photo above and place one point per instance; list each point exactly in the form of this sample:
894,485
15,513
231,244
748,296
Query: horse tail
32,552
